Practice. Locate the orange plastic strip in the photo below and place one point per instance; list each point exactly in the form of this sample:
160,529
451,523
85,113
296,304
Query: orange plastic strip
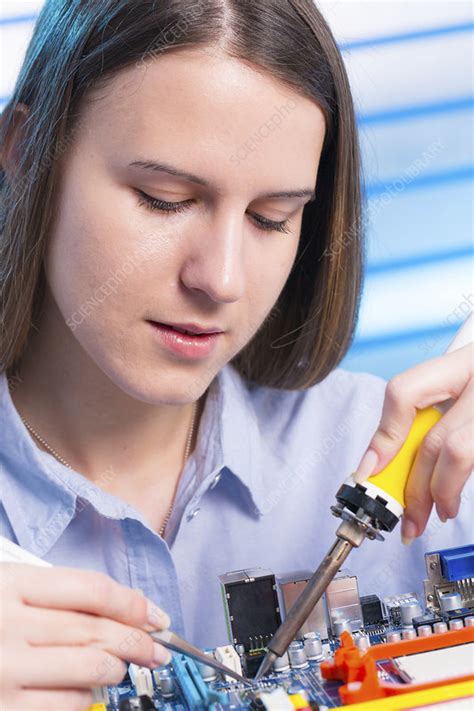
359,670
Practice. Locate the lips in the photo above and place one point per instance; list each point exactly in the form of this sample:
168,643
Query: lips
191,329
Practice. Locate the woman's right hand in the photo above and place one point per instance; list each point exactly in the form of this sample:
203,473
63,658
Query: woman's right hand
64,631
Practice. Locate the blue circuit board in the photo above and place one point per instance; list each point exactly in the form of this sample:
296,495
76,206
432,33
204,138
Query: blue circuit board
192,693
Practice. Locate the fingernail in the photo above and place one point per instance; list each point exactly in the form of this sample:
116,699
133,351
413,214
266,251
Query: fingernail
160,655
157,618
367,465
409,531
441,515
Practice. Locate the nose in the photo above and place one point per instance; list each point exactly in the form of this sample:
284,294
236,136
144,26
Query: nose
215,261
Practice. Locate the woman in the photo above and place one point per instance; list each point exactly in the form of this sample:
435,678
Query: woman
191,165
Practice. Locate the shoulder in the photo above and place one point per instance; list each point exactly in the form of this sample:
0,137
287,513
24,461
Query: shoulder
338,415
341,396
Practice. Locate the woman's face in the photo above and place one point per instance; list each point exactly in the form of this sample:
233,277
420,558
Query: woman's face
114,264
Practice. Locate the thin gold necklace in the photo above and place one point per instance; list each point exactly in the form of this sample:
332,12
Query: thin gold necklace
66,464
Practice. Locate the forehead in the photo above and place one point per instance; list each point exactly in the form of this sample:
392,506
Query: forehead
211,113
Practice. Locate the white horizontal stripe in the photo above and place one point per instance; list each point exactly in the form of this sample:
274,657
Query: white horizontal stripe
360,19
435,295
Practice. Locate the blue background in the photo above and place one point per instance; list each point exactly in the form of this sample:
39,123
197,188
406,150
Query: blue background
410,68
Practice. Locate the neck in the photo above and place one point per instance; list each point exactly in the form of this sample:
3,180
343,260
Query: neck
94,425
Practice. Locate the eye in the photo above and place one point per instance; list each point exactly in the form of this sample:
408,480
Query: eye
269,225
163,206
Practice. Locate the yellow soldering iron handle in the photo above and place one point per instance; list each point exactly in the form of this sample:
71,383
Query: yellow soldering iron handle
393,478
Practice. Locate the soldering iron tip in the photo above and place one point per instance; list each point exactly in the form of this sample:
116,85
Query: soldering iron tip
266,665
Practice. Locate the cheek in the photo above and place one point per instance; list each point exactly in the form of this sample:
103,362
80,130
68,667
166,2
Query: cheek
269,273
99,259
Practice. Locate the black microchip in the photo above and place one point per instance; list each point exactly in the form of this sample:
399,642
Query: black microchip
253,663
253,610
459,614
137,703
371,610
427,619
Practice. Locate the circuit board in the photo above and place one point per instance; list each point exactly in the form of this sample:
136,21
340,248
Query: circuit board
395,641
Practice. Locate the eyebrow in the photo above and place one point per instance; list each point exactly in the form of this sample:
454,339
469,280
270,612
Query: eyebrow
171,170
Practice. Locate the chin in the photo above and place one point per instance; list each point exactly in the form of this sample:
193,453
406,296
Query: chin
163,384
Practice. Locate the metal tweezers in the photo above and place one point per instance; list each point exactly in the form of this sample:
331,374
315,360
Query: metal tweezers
172,641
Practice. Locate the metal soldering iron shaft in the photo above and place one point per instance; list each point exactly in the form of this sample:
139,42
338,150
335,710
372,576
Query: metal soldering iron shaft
297,615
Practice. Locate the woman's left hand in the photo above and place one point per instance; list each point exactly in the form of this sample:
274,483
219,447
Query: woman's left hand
445,458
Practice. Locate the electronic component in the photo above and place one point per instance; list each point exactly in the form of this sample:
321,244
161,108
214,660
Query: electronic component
209,673
393,604
343,601
362,642
282,664
313,646
297,655
450,572
196,693
137,703
428,618
372,613
450,601
142,679
252,608
100,694
228,656
289,589
436,664
165,682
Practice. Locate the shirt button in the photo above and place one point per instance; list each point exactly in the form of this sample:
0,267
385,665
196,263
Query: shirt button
193,513
215,480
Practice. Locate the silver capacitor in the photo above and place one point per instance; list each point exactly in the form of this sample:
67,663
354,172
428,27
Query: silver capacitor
297,655
440,627
469,621
393,637
409,610
313,646
281,664
455,624
165,682
341,625
362,642
450,601
208,673
240,649
424,631
409,633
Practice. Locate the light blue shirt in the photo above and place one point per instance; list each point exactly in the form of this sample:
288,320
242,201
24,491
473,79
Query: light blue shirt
256,492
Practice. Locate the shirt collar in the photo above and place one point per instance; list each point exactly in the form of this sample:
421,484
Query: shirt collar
40,495
235,433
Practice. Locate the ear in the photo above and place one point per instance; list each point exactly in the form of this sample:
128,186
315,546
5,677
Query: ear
9,150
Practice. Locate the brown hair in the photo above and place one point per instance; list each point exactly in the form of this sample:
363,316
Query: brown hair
76,46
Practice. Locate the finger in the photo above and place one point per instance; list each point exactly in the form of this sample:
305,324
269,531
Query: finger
428,383
63,628
422,488
453,469
72,667
418,499
87,591
39,700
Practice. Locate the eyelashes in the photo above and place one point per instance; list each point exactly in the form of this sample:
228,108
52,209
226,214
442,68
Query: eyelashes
175,207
